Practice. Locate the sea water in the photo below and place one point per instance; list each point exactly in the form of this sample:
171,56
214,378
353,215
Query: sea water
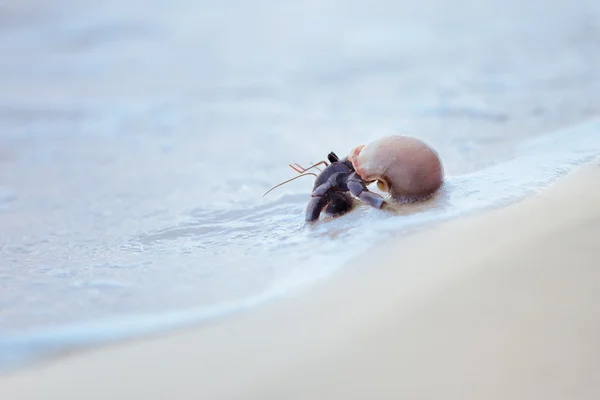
137,138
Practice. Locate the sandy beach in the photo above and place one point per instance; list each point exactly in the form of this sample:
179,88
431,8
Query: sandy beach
501,305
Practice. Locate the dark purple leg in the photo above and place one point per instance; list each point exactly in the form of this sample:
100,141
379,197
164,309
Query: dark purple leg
357,187
314,208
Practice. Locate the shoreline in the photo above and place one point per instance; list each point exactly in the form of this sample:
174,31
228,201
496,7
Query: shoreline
461,196
448,315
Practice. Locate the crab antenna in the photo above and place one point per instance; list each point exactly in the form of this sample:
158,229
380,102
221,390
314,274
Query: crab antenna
289,180
312,166
315,166
298,169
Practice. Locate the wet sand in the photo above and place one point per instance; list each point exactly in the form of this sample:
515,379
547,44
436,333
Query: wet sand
502,305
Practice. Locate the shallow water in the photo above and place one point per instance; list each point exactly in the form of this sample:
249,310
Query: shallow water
136,140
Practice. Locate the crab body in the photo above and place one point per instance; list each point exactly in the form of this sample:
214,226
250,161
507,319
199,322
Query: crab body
402,166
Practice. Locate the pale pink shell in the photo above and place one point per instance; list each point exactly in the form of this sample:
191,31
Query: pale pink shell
402,165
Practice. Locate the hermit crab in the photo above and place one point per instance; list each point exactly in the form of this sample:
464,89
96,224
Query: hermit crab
402,166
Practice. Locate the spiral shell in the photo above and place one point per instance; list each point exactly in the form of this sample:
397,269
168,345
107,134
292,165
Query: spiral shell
402,166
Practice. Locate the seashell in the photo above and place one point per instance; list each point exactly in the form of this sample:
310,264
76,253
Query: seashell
403,166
